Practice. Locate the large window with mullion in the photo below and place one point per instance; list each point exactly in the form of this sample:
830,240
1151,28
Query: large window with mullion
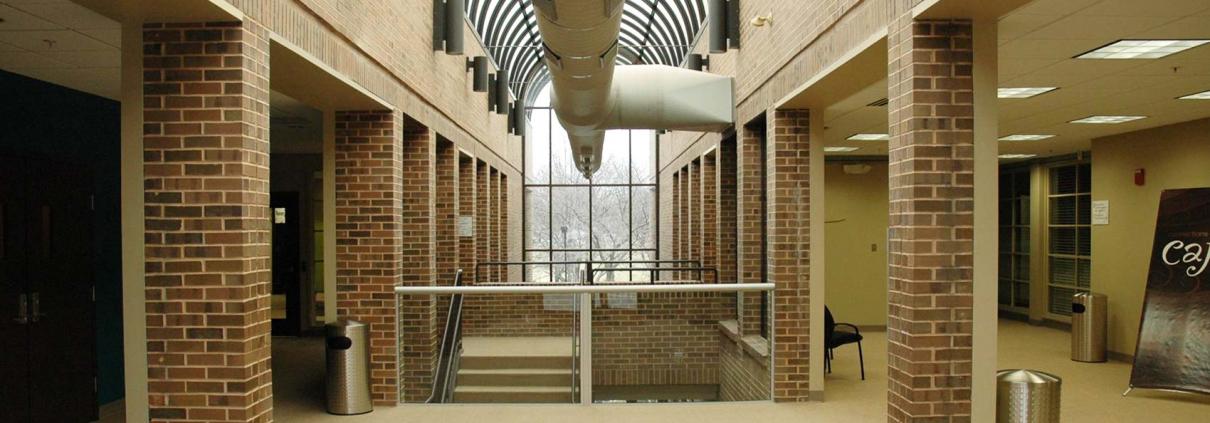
1069,235
610,219
1014,274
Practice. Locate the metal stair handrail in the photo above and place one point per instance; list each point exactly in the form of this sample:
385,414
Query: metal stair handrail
444,379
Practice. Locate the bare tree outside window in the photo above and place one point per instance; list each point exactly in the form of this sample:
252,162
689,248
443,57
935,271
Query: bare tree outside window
610,218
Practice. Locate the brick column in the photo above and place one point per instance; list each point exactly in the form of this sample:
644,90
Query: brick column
727,211
787,166
675,209
418,325
504,238
709,213
694,208
932,199
750,221
482,227
368,236
496,215
685,223
467,248
446,222
206,176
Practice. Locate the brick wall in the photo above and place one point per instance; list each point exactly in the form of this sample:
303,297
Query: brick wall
483,237
787,168
495,216
728,208
467,246
206,179
931,226
368,236
668,339
694,212
674,223
418,317
446,221
709,213
742,377
750,254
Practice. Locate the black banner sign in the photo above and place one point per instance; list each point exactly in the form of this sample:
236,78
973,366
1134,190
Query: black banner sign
1173,350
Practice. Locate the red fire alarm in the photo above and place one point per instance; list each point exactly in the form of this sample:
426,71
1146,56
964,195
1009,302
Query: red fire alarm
1140,177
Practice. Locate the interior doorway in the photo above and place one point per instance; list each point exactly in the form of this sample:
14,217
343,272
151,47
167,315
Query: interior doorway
46,278
287,264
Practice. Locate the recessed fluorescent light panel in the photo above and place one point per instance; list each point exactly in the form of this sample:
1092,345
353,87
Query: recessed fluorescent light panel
1017,156
870,137
1141,49
1204,95
1026,137
1108,120
1024,92
840,149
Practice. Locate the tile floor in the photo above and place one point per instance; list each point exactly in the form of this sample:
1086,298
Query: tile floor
1091,392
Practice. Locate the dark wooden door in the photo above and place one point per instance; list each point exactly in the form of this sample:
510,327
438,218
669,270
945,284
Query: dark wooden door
53,216
14,293
287,272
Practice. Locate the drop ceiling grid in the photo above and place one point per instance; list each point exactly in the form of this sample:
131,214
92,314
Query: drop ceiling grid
61,42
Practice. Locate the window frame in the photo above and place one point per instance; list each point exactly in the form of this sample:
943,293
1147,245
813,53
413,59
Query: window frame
550,187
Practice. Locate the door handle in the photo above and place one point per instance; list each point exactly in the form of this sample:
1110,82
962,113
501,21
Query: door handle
22,310
36,313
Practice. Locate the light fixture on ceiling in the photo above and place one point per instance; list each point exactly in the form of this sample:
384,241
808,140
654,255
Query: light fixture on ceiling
1026,137
1204,95
1108,120
1024,92
840,149
1017,156
869,137
1141,49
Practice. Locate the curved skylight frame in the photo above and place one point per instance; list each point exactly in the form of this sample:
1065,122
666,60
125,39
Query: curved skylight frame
653,32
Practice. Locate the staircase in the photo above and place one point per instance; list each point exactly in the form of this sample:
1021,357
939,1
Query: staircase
514,370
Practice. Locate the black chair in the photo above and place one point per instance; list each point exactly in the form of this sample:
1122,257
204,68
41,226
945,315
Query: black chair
838,338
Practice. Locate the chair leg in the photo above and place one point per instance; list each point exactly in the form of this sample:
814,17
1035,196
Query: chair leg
861,359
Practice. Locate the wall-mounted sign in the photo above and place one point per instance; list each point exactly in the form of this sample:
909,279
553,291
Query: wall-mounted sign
1174,330
279,215
1100,212
466,226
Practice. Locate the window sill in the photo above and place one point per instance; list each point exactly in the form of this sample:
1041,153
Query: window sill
754,345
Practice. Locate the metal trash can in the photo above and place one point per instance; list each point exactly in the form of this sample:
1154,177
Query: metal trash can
1027,396
348,367
1088,314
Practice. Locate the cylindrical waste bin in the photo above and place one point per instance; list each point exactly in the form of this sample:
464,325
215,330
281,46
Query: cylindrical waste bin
1027,396
1088,313
348,367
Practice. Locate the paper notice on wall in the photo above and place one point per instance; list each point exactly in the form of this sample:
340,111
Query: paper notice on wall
466,226
1100,212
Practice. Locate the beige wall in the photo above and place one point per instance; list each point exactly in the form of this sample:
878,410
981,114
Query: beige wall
1176,156
856,215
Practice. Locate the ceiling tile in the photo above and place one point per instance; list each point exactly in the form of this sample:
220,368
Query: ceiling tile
71,15
112,37
1054,8
1104,28
16,20
1147,8
63,40
1016,25
24,59
110,58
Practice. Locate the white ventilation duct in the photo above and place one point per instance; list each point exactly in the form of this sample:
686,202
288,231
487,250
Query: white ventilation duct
590,96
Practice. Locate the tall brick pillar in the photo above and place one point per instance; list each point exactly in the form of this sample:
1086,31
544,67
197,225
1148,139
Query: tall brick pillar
495,214
695,212
685,223
709,213
467,249
206,176
446,223
504,228
676,216
787,167
418,324
369,237
750,221
483,227
929,329
727,211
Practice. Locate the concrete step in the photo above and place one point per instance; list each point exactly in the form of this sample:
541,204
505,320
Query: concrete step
511,394
515,377
498,363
